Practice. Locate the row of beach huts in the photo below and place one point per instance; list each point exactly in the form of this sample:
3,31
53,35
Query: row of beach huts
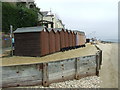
41,41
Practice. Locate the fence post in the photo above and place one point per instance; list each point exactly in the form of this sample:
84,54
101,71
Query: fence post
97,64
77,76
100,57
45,75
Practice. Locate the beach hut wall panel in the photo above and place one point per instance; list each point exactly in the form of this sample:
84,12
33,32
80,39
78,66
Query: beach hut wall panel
57,41
77,39
70,38
62,38
51,41
27,44
84,38
66,39
73,39
44,42
31,41
80,38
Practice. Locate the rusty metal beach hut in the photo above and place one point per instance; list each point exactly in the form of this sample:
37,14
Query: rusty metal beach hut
51,40
31,41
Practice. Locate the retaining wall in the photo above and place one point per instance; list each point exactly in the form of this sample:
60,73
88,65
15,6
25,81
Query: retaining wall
49,72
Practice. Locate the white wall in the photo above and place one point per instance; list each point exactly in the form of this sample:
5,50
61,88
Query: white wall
57,23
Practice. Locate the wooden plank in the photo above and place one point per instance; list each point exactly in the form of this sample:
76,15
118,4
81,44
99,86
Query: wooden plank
61,70
45,75
87,69
21,75
23,83
100,57
77,75
97,64
27,44
22,79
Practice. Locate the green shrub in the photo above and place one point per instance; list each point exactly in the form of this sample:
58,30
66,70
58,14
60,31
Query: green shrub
17,16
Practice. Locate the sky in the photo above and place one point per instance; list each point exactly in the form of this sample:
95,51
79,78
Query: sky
97,18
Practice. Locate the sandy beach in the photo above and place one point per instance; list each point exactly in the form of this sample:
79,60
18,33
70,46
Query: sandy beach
109,68
16,60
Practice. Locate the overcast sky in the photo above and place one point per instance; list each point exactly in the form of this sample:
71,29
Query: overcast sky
98,18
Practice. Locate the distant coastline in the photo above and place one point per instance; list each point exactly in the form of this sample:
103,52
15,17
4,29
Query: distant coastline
111,40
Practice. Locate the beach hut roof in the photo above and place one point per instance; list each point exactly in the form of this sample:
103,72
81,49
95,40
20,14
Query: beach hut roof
50,29
74,32
69,31
30,29
81,32
59,29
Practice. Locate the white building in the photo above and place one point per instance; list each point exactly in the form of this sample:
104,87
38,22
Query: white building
50,20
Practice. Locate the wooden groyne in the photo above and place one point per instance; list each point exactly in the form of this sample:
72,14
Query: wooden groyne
49,72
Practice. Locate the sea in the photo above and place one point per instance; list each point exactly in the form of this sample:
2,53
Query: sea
112,40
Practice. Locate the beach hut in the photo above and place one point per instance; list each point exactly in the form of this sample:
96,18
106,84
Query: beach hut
87,40
57,40
44,42
70,38
83,39
66,39
51,40
80,38
77,38
31,41
62,37
73,39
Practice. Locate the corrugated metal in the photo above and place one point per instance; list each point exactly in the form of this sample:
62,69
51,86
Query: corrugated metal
57,41
44,43
29,29
51,41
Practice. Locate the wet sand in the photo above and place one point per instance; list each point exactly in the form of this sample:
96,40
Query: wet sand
109,70
16,60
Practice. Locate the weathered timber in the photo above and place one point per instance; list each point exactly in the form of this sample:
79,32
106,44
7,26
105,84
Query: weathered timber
45,75
50,72
77,76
